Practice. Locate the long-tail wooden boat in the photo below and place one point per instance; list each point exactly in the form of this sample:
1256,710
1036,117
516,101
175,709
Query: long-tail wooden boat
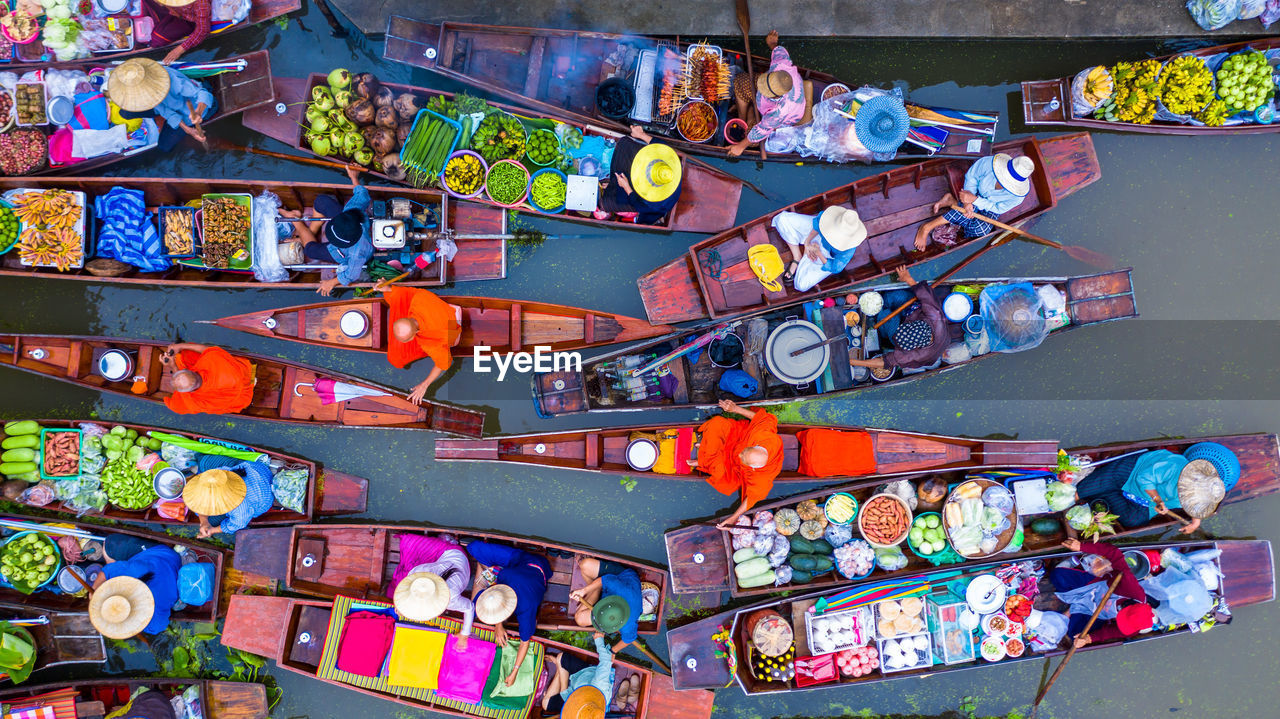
500,324
296,634
1248,579
708,196
714,278
234,91
260,11
358,560
603,450
329,493
477,230
600,385
1259,457
100,697
558,71
64,637
284,391
1048,102
54,600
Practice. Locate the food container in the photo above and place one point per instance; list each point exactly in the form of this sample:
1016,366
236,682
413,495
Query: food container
735,131
827,508
1014,647
67,584
992,648
812,671
10,118
245,201
1138,563
997,624
45,434
121,27
884,375
79,228
165,213
835,89
500,163
957,306
44,98
689,52
4,248
951,509
899,617
61,110
484,170
642,454
880,500
952,640
905,653
985,594
168,483
697,107
425,116
563,179
354,324
57,565
838,631
932,556
114,365
544,133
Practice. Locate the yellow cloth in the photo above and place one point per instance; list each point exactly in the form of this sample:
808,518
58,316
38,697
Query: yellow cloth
116,119
666,463
415,657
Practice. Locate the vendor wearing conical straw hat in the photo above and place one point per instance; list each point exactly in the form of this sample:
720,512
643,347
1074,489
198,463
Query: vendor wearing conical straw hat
121,608
646,178
782,98
144,577
144,88
185,20
226,499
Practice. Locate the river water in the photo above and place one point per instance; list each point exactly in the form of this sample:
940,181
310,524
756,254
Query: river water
1194,216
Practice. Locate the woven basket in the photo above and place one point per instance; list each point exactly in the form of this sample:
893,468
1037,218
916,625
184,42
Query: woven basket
103,267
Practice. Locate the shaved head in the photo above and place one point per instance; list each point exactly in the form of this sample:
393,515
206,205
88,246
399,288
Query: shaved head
754,457
404,329
184,380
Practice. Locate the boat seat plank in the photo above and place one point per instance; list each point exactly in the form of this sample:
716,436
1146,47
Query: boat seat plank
314,621
833,325
304,403
353,557
253,624
591,446
693,641
321,324
1018,454
489,327
547,329
235,700
341,493
533,71
485,449
903,452
670,293
669,703
1249,572
476,260
266,387
698,561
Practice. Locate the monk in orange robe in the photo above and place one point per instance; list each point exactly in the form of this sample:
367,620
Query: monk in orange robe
740,455
422,325
207,380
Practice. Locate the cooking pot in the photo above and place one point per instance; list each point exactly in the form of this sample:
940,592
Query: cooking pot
115,365
624,98
792,335
726,351
354,324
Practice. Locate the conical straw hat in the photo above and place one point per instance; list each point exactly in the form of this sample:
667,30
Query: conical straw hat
421,596
138,85
216,491
121,607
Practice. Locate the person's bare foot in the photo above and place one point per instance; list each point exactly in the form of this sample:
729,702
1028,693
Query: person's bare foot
946,201
922,236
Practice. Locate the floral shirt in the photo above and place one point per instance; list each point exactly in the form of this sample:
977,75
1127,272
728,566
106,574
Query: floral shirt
776,112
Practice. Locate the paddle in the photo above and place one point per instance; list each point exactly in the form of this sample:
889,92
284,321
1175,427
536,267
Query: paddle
225,145
996,242
1072,651
744,24
1075,252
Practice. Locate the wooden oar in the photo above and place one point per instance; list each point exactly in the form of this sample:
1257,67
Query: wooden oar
1075,252
224,145
744,24
1072,651
996,242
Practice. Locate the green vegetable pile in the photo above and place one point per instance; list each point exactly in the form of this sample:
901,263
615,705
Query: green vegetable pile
426,148
8,228
440,104
127,486
543,149
124,443
29,561
506,183
548,192
1244,81
499,137
571,137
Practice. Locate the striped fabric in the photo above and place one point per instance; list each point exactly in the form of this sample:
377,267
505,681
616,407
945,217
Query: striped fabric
328,663
972,227
62,704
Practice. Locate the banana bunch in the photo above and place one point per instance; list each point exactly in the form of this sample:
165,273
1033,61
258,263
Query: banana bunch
1136,92
1098,86
1186,85
1215,114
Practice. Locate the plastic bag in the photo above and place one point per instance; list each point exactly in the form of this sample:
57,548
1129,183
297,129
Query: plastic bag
831,135
89,429
1012,316
1079,517
904,489
970,512
1080,107
1052,628
177,457
289,486
38,495
965,540
957,353
782,575
999,498
1060,496
1249,9
993,522
1271,14
266,255
781,548
1214,14
838,535
891,558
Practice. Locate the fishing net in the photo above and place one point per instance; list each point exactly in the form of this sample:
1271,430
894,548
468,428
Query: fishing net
1013,316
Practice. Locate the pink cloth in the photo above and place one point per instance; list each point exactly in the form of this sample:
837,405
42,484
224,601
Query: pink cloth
416,549
467,671
781,111
366,639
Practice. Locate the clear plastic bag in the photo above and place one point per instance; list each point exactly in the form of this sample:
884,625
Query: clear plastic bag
838,535
38,495
965,540
1214,14
289,486
1249,9
1080,107
1013,316
994,522
891,558
781,548
177,457
970,512
831,137
998,498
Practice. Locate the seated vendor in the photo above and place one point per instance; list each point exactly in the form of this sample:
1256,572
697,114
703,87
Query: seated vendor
610,601
187,21
780,96
144,88
207,380
742,456
521,582
432,576
992,186
227,499
1082,588
154,565
422,325
570,673
340,235
150,704
920,338
646,178
820,246
1139,487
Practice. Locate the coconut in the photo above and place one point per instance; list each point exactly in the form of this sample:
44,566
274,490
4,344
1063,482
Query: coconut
386,117
392,166
320,144
406,106
361,112
363,156
320,125
365,85
381,140
342,98
383,97
321,98
402,133
339,78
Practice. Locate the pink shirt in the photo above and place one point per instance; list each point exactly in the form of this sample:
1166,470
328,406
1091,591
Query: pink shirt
781,111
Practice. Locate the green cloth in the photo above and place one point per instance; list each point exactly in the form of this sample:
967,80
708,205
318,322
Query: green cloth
496,692
205,447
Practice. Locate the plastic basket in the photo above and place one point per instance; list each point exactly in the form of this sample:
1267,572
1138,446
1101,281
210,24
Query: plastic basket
44,93
852,519
484,173
545,171
559,146
58,430
527,179
433,115
245,201
57,566
197,244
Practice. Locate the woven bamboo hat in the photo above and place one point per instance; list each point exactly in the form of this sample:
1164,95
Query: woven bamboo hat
121,607
774,84
138,85
495,604
421,596
585,702
214,491
655,172
1200,489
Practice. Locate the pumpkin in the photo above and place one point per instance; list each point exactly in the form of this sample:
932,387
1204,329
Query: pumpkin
788,522
812,529
809,509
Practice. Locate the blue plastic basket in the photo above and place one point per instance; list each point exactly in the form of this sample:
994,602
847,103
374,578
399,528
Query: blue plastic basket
547,170
57,566
433,115
1222,459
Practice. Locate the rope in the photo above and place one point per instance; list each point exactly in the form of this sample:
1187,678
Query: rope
712,264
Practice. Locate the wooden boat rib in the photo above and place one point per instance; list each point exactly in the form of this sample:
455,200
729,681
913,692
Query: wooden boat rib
481,256
329,492
714,278
293,632
708,197
1048,102
358,560
603,450
284,391
1259,457
1090,300
500,324
99,697
558,71
59,602
67,638
234,91
1248,580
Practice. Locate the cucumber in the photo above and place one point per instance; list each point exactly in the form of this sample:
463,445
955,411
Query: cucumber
800,545
10,469
751,568
31,477
759,580
21,454
822,546
1046,526
22,440
806,562
744,554
799,576
25,426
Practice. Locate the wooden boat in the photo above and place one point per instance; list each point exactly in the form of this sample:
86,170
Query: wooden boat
1048,102
558,71
714,280
358,560
500,324
64,638
1090,300
481,255
295,633
329,492
259,12
1246,567
1259,458
284,391
234,91
56,601
708,196
99,697
603,450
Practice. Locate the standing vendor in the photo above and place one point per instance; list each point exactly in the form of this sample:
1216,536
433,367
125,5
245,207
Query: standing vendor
611,600
422,325
1138,488
227,499
521,582
207,380
178,20
993,185
345,231
137,588
820,246
742,456
646,179
780,96
922,336
144,88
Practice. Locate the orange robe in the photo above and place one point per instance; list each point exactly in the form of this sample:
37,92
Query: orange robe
226,383
723,439
437,327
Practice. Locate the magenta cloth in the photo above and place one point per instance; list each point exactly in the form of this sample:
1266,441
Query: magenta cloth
416,549
366,639
467,670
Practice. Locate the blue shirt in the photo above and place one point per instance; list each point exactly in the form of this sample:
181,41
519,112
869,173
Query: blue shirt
981,181
257,499
836,259
163,564
625,584
173,108
354,258
600,676
525,573
1158,470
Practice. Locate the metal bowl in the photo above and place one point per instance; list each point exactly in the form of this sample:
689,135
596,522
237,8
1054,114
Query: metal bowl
642,454
788,337
169,482
115,365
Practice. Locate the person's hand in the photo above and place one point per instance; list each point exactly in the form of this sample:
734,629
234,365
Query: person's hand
812,251
1193,526
353,173
597,635
904,275
623,182
1072,544
173,55
691,462
967,210
729,523
418,393
737,148
207,530
500,634
382,285
638,133
326,286
291,214
195,131
169,355
771,39
576,596
511,678
728,405
1081,641
462,642
967,198
1160,506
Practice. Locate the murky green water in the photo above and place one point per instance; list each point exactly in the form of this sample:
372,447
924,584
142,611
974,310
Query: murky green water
1195,217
